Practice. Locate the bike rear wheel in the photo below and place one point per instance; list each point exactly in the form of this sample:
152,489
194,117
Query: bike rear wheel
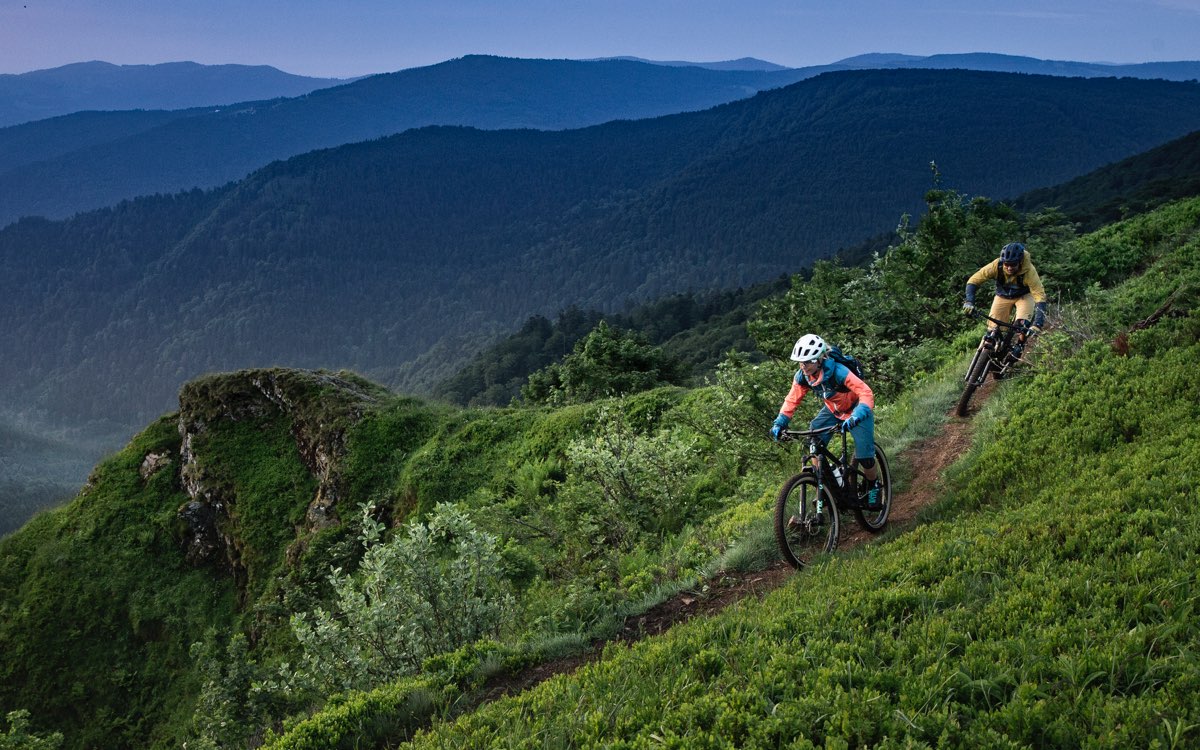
975,376
806,520
874,520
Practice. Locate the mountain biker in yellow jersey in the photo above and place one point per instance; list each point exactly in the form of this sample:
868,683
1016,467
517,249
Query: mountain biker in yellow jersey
1017,285
849,404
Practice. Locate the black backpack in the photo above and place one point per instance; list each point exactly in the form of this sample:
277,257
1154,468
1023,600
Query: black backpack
850,363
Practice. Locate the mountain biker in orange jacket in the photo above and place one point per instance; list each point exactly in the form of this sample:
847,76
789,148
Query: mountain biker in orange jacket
1017,285
849,404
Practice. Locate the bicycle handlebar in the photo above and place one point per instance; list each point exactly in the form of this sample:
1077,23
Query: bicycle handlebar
797,434
997,321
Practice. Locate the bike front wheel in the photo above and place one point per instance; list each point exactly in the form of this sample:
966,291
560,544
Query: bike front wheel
975,376
806,520
874,520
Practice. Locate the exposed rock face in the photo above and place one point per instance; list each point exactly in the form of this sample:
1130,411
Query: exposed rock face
153,463
319,406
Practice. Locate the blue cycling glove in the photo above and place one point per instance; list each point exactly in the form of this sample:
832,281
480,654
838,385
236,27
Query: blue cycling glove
1039,315
781,423
858,415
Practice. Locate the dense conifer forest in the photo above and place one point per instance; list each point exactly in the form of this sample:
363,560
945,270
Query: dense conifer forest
402,257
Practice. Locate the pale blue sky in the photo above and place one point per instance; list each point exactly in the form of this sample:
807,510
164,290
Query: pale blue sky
356,37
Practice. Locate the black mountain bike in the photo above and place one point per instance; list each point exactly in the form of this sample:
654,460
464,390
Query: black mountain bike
809,505
995,355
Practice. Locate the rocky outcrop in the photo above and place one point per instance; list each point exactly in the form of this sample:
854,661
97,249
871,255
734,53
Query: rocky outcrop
152,464
319,406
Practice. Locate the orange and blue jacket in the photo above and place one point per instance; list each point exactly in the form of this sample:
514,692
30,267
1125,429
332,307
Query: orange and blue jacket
842,391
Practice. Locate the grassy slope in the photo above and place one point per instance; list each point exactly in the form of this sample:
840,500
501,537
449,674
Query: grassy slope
97,601
1050,600
115,549
98,605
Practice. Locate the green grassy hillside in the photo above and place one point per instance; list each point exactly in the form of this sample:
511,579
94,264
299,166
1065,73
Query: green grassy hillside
1048,600
1052,603
292,542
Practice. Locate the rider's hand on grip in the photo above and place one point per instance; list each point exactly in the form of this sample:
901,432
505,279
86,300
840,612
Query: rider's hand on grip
968,307
781,423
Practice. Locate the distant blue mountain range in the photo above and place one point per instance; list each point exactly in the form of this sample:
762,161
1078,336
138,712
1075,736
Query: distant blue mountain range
41,94
60,166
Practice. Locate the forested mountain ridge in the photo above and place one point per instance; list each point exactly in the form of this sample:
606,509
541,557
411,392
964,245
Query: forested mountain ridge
369,255
157,608
95,85
1176,70
1130,186
700,328
64,167
211,147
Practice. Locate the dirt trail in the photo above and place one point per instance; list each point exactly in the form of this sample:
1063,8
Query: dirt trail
928,459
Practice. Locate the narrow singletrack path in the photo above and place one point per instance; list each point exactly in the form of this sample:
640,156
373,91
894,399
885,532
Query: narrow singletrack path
927,460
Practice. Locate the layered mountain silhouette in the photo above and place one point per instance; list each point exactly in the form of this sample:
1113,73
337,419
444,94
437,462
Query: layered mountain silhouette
1178,70
401,257
65,169
58,167
95,85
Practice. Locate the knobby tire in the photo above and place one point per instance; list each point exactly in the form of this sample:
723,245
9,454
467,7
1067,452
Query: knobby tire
816,533
874,520
976,375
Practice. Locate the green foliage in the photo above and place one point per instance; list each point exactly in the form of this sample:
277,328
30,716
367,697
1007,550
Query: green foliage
18,736
381,444
629,482
894,313
227,710
98,607
394,712
1115,252
733,415
1052,606
495,375
696,330
607,362
426,592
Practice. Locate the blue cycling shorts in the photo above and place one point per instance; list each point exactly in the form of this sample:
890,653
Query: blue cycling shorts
863,432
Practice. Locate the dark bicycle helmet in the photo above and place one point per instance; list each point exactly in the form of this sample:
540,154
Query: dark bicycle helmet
1012,253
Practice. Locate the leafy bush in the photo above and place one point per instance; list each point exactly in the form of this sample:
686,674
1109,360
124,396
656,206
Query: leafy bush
228,711
18,736
607,362
636,482
434,588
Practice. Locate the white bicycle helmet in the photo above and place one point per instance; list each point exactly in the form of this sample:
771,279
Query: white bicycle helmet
809,348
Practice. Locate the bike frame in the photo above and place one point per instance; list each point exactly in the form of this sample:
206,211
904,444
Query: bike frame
998,351
826,462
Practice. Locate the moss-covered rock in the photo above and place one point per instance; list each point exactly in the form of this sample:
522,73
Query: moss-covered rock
260,460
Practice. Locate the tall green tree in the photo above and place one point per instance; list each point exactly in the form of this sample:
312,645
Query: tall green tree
607,362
